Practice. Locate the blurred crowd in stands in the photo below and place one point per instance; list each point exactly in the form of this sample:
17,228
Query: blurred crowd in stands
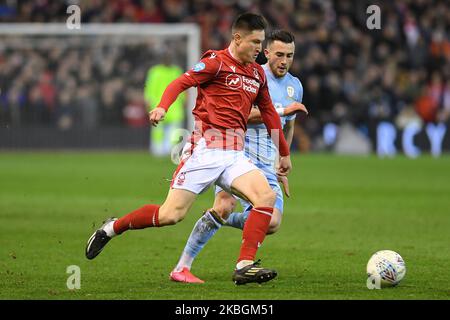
77,81
399,73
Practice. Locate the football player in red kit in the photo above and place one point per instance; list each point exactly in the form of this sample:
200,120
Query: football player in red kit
229,83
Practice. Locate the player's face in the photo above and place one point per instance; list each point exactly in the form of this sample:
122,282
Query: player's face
249,44
280,56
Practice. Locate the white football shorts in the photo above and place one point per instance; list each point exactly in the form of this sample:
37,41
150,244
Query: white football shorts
201,167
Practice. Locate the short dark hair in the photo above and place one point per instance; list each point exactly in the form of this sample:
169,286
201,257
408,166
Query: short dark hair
280,35
248,22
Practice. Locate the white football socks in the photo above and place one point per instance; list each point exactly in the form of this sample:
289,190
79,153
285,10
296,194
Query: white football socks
243,263
185,261
109,229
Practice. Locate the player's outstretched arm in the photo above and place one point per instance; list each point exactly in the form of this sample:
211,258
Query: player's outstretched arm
202,72
173,90
295,107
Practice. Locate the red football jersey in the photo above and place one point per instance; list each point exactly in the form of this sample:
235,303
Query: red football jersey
227,90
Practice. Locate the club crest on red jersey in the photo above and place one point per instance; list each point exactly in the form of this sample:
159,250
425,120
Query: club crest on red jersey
233,81
255,73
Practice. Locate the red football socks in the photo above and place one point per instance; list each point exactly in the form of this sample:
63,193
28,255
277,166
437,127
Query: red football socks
144,217
254,232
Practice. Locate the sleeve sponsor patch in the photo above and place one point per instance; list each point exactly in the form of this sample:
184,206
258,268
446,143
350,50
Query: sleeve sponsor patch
198,67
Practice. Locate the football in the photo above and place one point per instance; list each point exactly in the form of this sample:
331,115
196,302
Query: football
386,268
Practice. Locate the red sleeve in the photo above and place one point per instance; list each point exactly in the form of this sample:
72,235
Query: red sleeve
172,91
205,70
272,120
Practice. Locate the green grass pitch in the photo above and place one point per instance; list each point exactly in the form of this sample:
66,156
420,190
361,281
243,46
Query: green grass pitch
342,210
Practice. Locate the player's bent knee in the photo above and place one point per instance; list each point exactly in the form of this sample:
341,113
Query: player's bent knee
223,212
172,220
275,222
171,216
266,199
273,227
224,209
224,204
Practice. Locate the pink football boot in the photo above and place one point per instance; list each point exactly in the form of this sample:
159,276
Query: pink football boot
184,276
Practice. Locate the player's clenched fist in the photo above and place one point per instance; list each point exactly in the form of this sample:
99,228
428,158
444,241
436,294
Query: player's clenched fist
156,115
284,166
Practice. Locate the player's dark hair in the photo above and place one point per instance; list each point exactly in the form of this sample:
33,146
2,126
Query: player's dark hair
248,22
280,35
